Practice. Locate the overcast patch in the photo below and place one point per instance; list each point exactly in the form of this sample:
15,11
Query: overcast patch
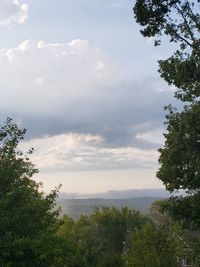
74,152
13,11
73,87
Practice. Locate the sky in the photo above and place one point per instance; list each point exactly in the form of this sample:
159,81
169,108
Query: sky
78,75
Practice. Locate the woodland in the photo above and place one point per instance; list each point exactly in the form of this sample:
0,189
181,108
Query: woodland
34,234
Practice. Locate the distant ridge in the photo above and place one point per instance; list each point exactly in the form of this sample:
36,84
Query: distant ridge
119,194
76,207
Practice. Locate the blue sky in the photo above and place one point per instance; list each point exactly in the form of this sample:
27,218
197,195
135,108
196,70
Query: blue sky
80,77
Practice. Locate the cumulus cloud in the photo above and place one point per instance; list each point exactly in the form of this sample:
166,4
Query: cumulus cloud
51,75
79,152
57,89
12,10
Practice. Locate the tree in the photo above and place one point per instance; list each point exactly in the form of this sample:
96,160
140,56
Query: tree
102,236
114,224
72,253
152,246
180,158
27,218
180,21
157,214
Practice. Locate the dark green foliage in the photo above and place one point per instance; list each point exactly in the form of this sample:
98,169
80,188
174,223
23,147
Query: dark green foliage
114,224
152,246
158,214
110,229
180,158
180,21
101,238
27,221
185,210
31,233
71,254
183,71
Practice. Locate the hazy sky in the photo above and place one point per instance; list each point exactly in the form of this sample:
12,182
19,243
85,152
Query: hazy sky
83,81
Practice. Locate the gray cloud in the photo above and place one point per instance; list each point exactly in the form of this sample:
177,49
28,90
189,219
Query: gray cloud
13,11
81,152
118,113
58,88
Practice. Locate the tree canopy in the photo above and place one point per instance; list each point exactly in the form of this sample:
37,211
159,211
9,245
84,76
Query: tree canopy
27,217
152,246
33,235
179,20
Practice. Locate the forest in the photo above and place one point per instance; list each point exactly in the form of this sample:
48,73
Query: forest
32,232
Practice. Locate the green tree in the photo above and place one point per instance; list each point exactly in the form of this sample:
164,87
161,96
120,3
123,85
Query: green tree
180,158
72,253
103,236
158,215
180,21
114,225
152,246
27,218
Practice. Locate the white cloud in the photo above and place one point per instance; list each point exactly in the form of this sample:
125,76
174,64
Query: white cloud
64,88
12,10
80,152
155,136
50,75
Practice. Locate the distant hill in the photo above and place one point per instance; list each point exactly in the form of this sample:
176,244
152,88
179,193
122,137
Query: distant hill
117,194
75,207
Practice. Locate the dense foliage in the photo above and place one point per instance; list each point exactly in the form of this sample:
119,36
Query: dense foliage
27,221
158,247
179,159
32,233
103,236
180,21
